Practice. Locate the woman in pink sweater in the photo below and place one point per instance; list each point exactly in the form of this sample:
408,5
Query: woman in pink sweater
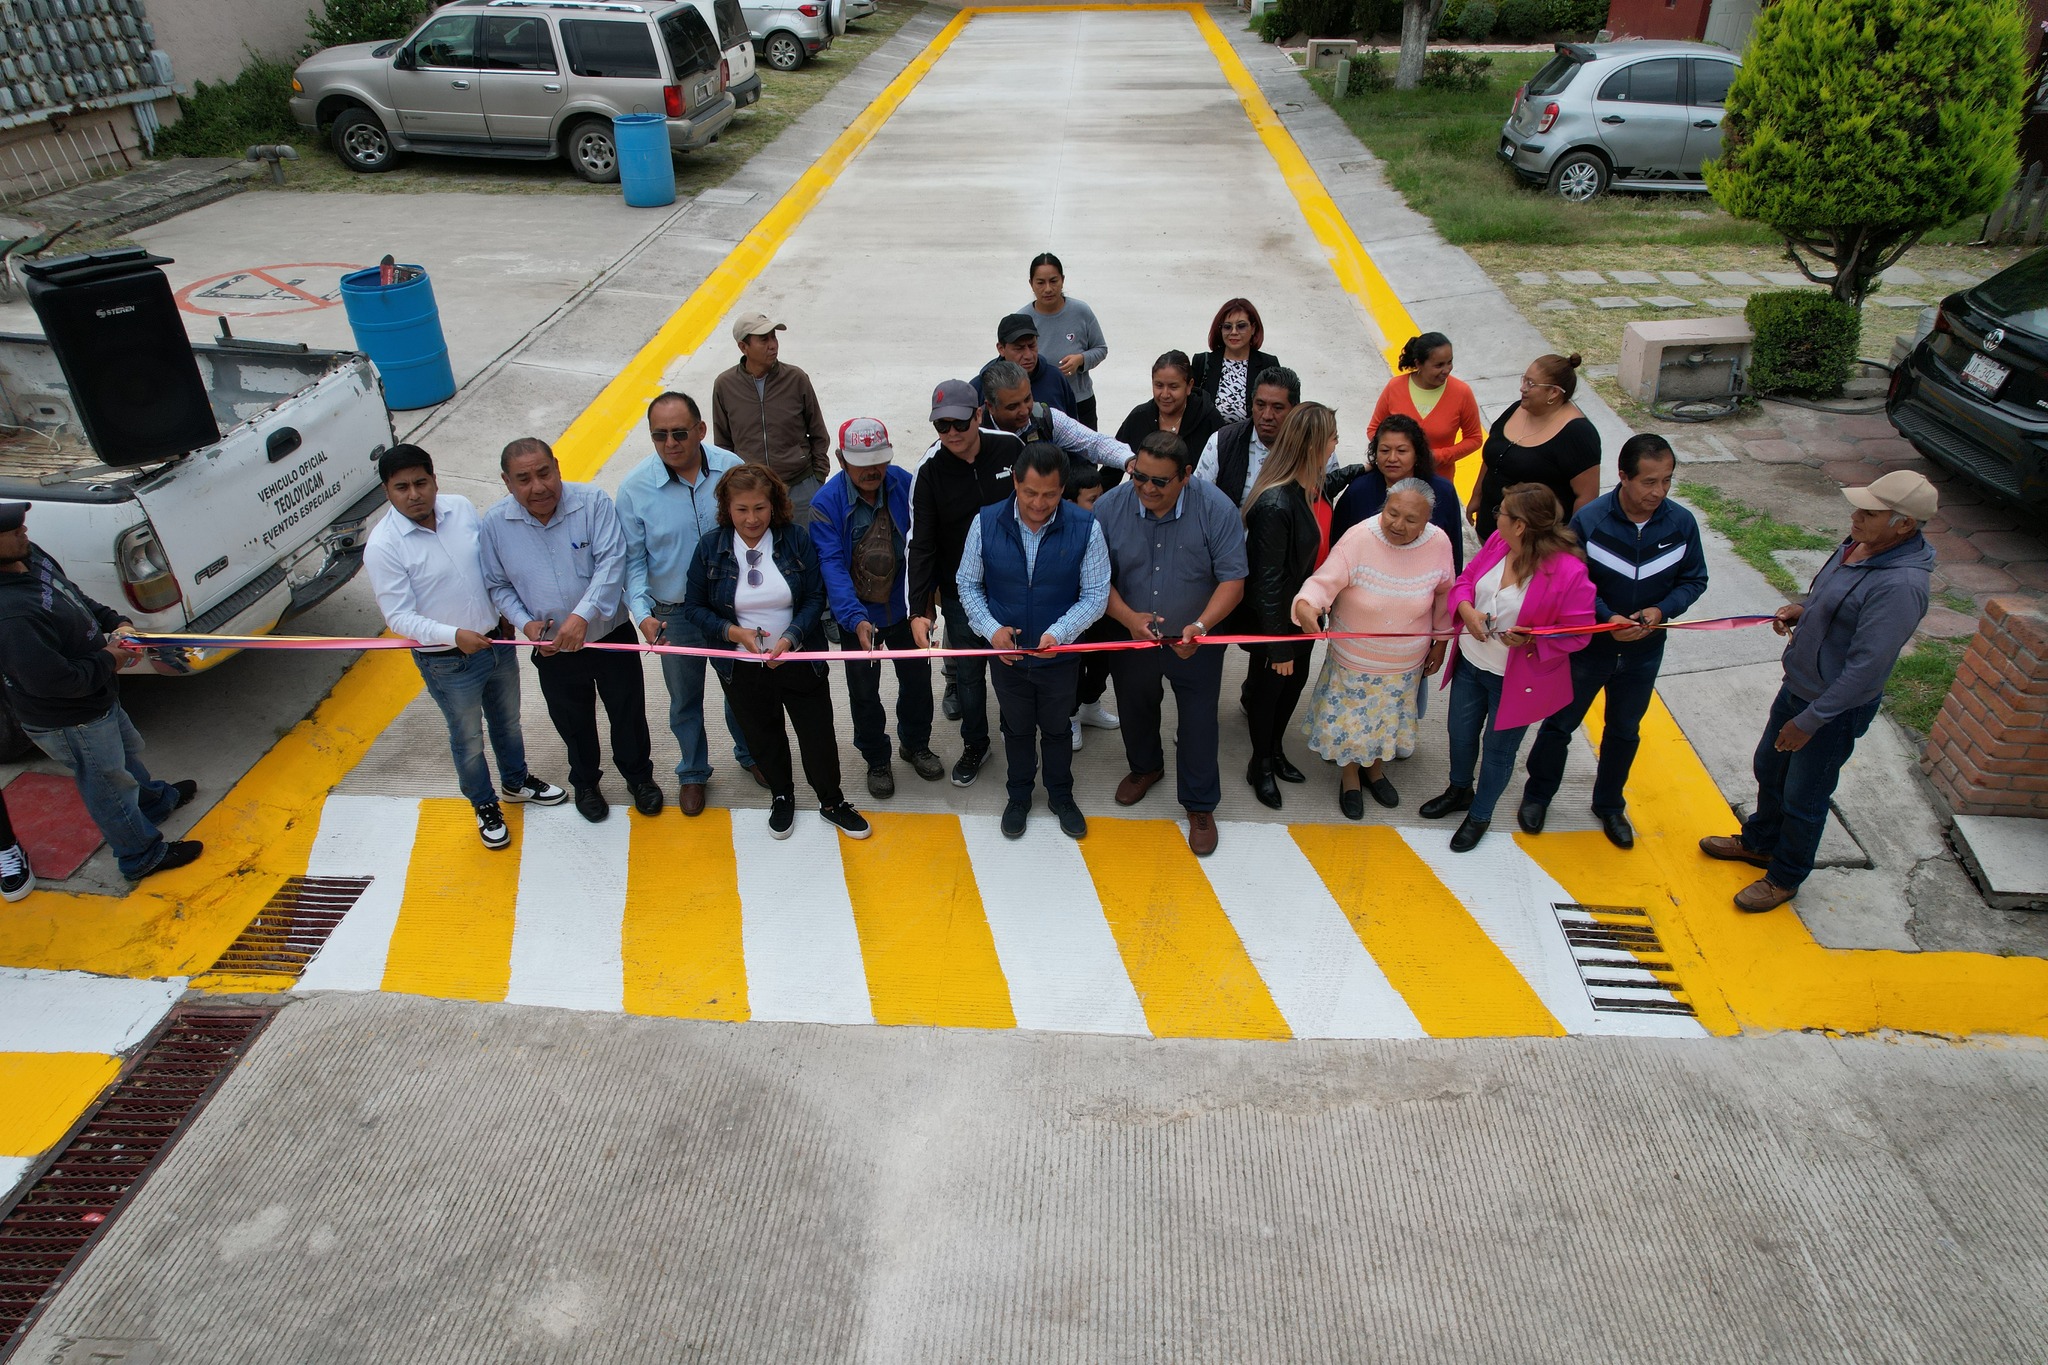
1426,390
1389,574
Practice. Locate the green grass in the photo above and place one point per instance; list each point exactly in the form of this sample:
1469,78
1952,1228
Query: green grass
1755,534
1920,680
1440,153
1962,602
229,117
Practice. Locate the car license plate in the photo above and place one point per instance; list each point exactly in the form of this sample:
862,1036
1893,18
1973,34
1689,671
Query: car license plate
1507,149
1985,375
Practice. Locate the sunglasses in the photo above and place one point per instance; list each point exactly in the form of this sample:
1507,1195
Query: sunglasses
947,426
661,434
1153,480
1237,326
754,578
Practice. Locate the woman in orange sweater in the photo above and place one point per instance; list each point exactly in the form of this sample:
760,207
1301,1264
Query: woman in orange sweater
1426,391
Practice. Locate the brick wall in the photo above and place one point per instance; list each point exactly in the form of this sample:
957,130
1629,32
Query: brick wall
1988,752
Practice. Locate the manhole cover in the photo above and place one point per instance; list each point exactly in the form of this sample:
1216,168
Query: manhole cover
1621,961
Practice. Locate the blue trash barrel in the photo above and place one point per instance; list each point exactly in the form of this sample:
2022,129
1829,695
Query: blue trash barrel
647,172
399,328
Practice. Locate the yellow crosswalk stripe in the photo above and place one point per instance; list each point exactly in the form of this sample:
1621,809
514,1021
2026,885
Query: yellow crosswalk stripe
924,936
454,934
44,1093
1190,969
1458,983
682,944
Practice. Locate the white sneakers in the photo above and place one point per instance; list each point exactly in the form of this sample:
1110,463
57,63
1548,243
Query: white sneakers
1077,734
1096,714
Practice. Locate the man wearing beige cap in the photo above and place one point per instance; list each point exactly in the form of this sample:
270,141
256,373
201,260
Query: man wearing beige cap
767,413
1862,609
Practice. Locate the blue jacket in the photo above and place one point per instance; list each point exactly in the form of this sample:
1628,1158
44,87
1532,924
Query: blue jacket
1032,600
715,579
1659,564
1857,619
1048,386
832,532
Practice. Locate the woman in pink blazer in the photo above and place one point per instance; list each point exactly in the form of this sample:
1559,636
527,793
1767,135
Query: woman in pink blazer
1502,678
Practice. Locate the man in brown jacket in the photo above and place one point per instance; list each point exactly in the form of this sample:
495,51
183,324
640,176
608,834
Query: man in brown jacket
766,413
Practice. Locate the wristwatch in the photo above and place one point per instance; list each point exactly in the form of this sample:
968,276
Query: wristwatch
1202,627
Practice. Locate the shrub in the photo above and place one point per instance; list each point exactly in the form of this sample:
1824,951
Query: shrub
1447,21
1805,342
1316,18
1522,20
1376,16
1273,26
363,21
1856,126
229,117
1475,25
1369,74
1459,71
1575,16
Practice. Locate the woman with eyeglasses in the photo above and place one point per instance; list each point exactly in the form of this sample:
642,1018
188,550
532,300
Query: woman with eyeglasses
1223,374
1068,334
1543,438
1427,392
755,583
1175,407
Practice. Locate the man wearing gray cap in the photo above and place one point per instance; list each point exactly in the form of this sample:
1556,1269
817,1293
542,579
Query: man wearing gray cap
767,413
1862,609
59,653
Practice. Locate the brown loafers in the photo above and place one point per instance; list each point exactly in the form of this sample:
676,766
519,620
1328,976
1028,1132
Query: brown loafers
1132,789
1761,895
1201,833
690,797
1730,849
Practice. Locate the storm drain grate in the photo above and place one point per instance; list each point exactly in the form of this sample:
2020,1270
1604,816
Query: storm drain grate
1621,961
291,929
109,1154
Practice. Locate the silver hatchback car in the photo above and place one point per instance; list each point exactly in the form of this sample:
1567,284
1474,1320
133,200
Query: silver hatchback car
1635,115
526,80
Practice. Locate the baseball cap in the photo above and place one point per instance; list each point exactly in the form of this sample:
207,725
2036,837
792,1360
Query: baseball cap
955,399
1015,327
12,514
753,325
865,441
1901,491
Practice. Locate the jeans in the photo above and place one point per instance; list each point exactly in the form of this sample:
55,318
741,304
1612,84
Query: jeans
1270,700
1475,699
1141,678
1628,672
913,696
761,696
970,675
1792,790
573,682
1034,700
105,756
684,675
473,690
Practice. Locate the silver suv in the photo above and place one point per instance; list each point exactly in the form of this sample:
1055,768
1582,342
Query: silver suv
1633,115
522,80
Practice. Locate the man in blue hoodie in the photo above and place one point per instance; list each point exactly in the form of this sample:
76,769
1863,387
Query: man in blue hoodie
1644,556
1860,612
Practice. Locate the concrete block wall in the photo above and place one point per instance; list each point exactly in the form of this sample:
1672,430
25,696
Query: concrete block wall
1988,751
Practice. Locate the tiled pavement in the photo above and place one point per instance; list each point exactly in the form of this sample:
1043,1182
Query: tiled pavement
1717,288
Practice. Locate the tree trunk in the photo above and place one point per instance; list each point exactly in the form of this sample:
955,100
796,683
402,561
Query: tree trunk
1415,17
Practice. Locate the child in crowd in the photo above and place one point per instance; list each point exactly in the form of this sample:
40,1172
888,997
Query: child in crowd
1084,486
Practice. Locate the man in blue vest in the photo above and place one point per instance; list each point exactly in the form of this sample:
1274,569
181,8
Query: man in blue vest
1035,574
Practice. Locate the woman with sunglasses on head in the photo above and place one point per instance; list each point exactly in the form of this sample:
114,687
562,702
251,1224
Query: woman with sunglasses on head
1223,374
1542,438
1068,334
1175,407
755,584
1426,391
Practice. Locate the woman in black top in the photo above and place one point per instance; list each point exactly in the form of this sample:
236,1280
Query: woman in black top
1174,407
1229,370
1543,438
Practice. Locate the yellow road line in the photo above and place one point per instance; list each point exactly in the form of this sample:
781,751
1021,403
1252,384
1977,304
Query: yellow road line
1190,969
1459,984
682,943
454,934
44,1093
924,936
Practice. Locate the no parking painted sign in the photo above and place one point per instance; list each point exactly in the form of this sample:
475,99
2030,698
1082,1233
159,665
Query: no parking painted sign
266,291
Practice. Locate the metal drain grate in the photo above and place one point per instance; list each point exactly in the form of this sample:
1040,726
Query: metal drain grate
288,931
110,1153
1621,961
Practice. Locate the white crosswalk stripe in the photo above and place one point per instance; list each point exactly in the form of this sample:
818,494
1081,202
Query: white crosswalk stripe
362,836
802,950
566,940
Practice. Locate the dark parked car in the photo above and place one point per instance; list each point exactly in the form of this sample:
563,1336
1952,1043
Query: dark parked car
1974,395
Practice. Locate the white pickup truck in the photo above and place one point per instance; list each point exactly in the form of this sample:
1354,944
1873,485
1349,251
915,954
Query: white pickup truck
234,538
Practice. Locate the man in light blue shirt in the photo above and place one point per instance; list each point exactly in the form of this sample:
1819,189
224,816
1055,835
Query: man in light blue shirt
1035,574
666,505
555,564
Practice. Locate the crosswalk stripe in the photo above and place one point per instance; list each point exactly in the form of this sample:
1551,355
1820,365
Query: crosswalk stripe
1062,964
79,1012
572,907
682,944
1510,895
361,836
1445,967
1310,958
803,952
1187,962
453,939
924,938
45,1093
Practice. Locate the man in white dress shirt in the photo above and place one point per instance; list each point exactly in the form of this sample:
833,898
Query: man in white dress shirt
429,582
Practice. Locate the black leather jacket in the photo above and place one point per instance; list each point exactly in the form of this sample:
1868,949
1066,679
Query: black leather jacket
1281,538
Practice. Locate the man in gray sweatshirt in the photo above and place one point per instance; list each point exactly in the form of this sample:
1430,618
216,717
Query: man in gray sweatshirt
1861,611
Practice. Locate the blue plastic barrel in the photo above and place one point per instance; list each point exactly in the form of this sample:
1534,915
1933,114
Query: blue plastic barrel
647,172
399,328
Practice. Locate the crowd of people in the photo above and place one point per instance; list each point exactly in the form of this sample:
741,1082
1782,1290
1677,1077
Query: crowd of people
1220,506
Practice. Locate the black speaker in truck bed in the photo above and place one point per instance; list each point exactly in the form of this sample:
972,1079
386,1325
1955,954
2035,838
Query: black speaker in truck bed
111,319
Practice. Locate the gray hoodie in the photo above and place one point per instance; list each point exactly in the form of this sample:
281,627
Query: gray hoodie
1857,619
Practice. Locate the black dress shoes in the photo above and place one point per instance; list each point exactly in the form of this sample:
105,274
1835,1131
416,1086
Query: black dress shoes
1531,816
1260,775
1470,832
591,805
1286,771
1454,799
1618,830
1384,793
1351,800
